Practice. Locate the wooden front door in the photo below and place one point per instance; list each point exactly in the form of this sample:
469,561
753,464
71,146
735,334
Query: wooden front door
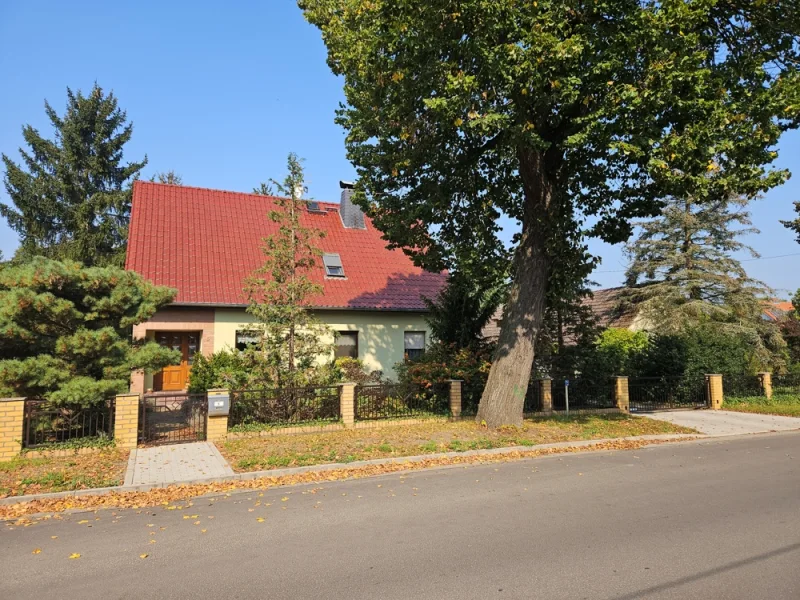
175,378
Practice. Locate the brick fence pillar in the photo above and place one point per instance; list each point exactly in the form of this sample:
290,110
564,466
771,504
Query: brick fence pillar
766,384
216,425
621,394
456,386
347,403
546,394
126,421
12,411
714,391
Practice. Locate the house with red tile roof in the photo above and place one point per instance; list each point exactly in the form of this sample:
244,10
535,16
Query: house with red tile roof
205,243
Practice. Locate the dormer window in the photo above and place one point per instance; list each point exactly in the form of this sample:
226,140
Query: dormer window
333,265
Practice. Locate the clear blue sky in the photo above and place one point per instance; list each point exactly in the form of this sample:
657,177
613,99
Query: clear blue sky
221,92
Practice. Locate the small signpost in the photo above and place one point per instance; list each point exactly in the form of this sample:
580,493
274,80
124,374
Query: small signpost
566,393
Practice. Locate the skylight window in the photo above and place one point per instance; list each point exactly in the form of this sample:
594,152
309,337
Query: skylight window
333,265
313,206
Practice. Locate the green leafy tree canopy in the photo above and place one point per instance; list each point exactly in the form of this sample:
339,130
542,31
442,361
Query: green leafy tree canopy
72,195
461,111
65,330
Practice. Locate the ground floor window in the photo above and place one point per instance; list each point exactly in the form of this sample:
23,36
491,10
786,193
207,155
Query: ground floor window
246,338
414,344
346,344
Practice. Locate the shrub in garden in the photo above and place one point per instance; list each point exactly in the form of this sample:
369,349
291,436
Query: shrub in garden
612,354
442,362
222,370
352,370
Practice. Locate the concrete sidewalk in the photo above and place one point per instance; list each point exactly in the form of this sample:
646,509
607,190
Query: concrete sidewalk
177,463
725,422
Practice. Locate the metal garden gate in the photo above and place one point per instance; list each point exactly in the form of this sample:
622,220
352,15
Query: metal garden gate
647,394
172,418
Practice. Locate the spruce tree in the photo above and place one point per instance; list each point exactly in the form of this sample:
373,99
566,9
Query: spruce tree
264,189
292,338
682,274
72,195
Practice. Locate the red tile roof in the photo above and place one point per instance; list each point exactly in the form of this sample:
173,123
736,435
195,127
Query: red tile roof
206,242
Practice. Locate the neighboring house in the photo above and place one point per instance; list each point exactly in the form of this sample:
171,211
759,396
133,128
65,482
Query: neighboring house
606,306
205,243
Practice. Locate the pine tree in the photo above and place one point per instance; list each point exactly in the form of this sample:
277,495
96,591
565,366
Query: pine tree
65,330
168,177
292,338
72,194
682,274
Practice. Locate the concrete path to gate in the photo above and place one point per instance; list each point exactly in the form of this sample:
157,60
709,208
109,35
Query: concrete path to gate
725,422
175,464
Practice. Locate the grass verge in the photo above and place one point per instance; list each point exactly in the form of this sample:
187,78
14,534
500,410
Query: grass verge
787,405
169,497
258,454
22,475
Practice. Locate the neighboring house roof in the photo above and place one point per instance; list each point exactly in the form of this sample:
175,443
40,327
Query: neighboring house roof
205,243
605,305
777,310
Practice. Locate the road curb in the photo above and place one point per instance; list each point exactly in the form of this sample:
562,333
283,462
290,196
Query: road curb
336,466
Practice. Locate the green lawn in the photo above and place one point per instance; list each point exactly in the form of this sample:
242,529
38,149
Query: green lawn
784,404
263,453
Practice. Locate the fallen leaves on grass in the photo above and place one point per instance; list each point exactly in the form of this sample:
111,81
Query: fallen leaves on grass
167,496
391,441
21,476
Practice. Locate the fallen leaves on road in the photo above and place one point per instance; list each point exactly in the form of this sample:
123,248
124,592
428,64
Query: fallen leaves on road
74,555
179,493
143,555
37,551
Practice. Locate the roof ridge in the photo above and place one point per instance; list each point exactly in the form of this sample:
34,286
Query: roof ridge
218,190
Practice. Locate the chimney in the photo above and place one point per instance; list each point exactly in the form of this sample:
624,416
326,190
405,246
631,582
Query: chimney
352,216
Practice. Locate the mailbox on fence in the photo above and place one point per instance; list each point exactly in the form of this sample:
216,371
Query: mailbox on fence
219,406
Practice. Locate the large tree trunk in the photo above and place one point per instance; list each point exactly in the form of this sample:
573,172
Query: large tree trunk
504,395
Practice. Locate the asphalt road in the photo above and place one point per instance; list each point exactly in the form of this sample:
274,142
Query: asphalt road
717,519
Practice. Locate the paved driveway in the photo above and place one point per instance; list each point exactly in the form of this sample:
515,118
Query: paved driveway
725,422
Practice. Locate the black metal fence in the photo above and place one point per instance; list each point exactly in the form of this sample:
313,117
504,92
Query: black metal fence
786,385
172,418
396,400
741,386
664,393
286,406
471,393
533,397
45,424
584,394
